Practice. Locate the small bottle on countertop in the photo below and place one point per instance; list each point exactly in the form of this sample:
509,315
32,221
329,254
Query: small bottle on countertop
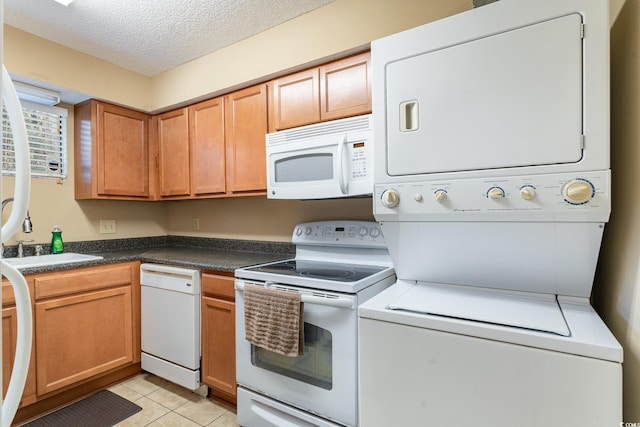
57,246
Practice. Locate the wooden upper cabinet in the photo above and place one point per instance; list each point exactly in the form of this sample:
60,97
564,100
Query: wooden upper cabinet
111,152
296,99
173,153
246,128
206,141
345,87
335,90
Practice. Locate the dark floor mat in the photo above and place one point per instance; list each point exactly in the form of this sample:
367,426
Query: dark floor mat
103,409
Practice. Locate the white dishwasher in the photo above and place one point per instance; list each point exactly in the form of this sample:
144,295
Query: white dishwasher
170,311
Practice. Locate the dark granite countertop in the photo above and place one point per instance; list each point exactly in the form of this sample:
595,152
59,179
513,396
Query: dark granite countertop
191,252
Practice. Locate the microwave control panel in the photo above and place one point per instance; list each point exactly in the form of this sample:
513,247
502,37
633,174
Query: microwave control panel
359,159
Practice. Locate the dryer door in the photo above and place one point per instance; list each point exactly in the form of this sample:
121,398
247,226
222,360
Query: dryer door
507,100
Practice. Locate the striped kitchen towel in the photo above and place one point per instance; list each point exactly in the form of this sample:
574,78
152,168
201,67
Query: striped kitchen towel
273,320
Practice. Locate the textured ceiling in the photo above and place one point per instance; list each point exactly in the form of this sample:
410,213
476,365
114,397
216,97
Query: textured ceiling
151,36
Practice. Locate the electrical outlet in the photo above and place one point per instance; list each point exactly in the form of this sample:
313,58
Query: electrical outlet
107,226
196,224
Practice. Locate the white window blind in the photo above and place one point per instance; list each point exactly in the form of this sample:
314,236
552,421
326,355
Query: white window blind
47,134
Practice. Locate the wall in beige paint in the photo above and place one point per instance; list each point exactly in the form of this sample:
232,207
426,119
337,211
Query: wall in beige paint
43,61
341,26
344,25
257,218
617,287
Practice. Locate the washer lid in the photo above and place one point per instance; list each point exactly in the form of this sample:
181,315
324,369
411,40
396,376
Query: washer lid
525,310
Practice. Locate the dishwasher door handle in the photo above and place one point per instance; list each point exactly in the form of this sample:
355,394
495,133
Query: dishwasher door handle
320,298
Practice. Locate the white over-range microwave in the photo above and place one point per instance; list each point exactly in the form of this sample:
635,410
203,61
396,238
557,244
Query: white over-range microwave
321,161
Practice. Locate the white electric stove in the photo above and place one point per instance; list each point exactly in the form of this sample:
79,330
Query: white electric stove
338,265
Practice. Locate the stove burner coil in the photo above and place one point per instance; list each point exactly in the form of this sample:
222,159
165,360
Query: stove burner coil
327,274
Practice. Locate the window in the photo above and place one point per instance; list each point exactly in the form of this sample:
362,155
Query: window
47,133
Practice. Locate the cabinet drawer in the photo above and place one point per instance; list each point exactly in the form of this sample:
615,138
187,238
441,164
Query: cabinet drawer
218,285
8,297
64,283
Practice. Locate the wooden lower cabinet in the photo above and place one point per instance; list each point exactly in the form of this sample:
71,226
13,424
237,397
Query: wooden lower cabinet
85,321
81,336
218,335
9,337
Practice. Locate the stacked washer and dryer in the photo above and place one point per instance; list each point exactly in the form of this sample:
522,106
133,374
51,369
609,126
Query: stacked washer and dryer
492,189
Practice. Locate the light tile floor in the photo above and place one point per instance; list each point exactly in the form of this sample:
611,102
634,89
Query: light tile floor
165,404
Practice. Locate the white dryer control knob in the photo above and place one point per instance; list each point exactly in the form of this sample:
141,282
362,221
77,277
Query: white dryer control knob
495,193
374,232
390,198
577,191
527,193
298,231
440,196
418,197
362,231
307,230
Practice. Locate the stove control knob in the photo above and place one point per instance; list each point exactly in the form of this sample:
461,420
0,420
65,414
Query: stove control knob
440,196
495,193
578,191
362,231
527,192
390,198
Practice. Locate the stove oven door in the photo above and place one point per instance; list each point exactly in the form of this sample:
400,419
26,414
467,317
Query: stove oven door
323,381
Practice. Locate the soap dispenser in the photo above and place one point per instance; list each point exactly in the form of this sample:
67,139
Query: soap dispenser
57,247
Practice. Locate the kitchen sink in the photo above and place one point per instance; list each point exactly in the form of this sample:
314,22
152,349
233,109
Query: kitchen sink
51,259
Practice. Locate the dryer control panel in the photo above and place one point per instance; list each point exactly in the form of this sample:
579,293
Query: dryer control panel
550,197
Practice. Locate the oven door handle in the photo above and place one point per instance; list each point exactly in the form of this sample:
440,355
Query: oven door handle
340,302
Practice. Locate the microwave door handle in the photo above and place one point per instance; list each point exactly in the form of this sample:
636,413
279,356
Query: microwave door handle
340,156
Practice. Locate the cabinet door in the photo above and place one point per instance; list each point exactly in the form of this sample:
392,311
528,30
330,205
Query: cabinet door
219,345
122,151
296,99
246,129
345,87
206,138
81,336
218,334
173,153
9,338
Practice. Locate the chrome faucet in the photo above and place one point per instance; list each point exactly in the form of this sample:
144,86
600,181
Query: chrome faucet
21,247
27,226
5,201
